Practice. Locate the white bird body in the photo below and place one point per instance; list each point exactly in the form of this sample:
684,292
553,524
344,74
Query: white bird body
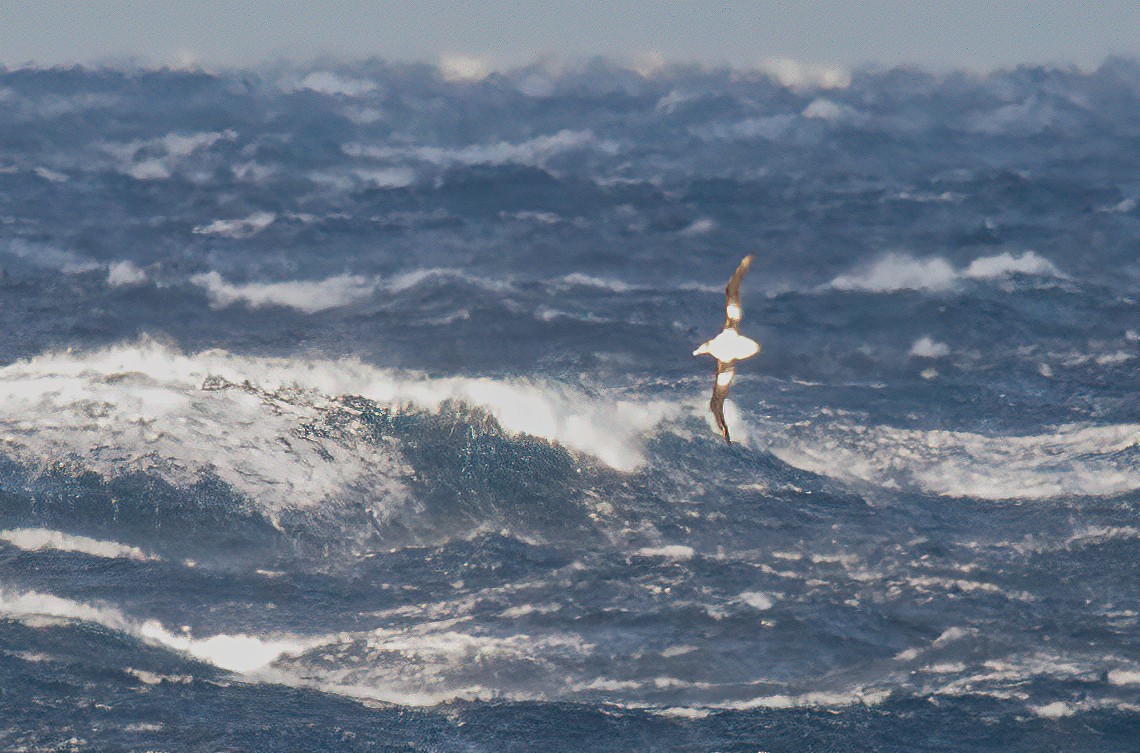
729,346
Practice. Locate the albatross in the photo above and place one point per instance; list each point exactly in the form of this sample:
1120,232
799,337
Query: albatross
729,346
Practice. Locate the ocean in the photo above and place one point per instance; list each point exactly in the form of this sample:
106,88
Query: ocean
351,407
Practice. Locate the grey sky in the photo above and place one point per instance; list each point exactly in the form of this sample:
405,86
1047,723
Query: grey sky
975,34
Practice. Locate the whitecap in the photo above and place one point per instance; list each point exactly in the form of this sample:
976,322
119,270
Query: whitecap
536,151
234,652
1028,263
309,296
240,228
125,274
464,68
668,551
1073,459
925,347
36,539
330,83
899,272
145,406
895,272
796,74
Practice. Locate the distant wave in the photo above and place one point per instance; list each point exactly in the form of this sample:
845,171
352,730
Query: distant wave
241,228
36,539
1073,460
535,151
303,295
160,158
896,272
124,274
310,296
329,83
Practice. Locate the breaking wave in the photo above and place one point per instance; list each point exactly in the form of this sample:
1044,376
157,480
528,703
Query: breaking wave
896,272
233,652
256,422
36,539
1074,460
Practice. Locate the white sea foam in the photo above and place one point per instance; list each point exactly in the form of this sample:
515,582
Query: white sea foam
143,406
458,68
242,228
536,151
702,226
895,272
309,296
1124,677
124,274
434,662
156,159
757,600
1027,118
236,652
833,112
824,699
681,712
800,75
51,257
925,347
1013,677
35,539
1055,710
1071,460
327,82
1028,263
899,272
386,177
668,551
605,283
768,127
50,175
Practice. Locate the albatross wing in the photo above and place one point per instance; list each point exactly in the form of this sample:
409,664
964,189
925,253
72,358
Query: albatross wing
732,309
724,375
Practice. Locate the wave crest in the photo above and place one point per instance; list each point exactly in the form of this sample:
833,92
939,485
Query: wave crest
265,425
1071,461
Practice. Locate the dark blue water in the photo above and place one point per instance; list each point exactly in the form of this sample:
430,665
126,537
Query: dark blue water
351,408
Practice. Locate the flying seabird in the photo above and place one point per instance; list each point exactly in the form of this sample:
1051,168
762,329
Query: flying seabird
729,346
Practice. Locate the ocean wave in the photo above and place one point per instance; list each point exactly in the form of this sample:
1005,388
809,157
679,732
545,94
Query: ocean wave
125,274
48,256
795,74
815,699
260,424
233,652
36,539
309,296
314,296
329,83
148,408
431,663
535,152
1073,460
240,228
895,272
159,158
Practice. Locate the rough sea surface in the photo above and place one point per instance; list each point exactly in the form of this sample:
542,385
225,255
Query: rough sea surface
352,407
